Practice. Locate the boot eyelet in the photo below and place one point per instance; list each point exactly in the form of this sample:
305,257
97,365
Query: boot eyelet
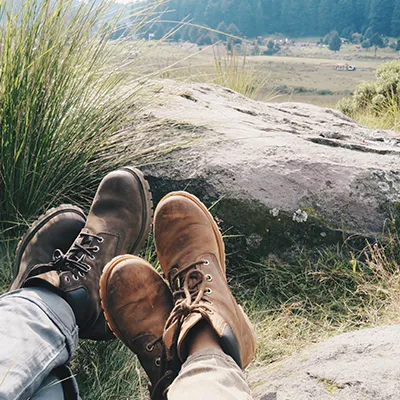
157,362
96,249
209,278
81,274
75,278
208,291
149,348
67,279
100,239
92,257
206,262
211,312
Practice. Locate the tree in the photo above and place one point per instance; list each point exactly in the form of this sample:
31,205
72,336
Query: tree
344,17
347,32
334,42
204,40
360,7
381,16
356,38
396,20
212,13
194,34
292,17
222,28
377,42
272,48
366,44
368,33
325,11
234,31
245,17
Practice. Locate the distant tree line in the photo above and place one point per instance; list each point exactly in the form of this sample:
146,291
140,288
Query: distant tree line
367,40
253,18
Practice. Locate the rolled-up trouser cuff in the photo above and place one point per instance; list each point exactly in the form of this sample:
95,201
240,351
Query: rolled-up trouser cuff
210,373
58,311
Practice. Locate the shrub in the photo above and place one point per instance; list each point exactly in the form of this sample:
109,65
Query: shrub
388,78
272,48
324,92
377,103
366,44
364,94
302,89
346,106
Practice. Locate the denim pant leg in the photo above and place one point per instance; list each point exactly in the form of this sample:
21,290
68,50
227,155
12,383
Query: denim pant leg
38,333
209,374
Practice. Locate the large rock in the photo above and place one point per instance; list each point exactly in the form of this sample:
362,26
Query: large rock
286,173
362,365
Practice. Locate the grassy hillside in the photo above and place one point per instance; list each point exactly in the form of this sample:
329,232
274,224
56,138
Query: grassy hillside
64,108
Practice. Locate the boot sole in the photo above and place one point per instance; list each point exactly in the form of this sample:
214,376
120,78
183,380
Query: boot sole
147,202
37,225
217,232
103,293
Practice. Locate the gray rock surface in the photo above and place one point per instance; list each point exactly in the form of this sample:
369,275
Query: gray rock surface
362,365
286,173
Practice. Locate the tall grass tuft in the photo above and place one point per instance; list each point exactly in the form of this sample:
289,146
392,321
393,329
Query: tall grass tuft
234,72
62,96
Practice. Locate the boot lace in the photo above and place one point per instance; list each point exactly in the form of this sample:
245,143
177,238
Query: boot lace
189,291
74,260
189,295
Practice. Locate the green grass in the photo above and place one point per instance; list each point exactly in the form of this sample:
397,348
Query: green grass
385,120
63,95
109,371
325,292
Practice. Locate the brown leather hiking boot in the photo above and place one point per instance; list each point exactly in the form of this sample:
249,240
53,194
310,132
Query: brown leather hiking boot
118,222
190,249
56,229
137,303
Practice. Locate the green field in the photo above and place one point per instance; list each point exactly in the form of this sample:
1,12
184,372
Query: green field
301,74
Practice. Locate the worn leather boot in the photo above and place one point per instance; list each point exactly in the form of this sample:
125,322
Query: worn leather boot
137,303
56,229
118,222
191,252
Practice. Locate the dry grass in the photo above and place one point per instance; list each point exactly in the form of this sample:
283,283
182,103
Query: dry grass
334,293
323,293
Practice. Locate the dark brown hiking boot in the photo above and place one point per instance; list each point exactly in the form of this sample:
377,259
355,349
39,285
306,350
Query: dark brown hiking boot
56,229
118,222
191,252
137,303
